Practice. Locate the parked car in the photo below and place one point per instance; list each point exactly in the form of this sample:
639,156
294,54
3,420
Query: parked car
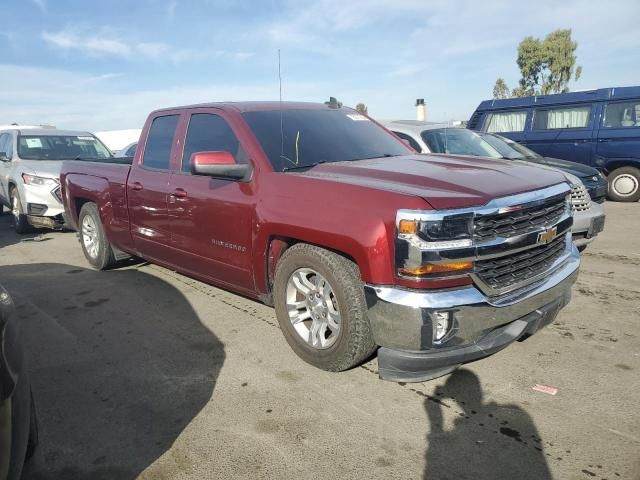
357,241
18,422
593,180
30,162
128,151
600,128
588,219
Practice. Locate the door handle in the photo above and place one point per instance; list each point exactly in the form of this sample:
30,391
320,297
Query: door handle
137,186
603,140
179,193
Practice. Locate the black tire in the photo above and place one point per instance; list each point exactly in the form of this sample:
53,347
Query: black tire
633,176
104,256
582,248
355,340
33,430
20,222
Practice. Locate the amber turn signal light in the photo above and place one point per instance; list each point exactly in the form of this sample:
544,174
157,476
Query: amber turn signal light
431,268
408,227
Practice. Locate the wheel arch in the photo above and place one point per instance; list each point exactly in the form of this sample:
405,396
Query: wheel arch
616,163
276,246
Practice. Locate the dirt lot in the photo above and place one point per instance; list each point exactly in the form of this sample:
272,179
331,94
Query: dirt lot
144,373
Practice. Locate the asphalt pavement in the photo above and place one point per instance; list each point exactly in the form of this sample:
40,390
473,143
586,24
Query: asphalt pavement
140,372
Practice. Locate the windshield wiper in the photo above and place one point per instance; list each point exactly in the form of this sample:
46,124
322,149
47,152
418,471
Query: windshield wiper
384,155
300,167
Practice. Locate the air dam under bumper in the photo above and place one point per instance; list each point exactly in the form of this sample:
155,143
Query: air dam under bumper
402,322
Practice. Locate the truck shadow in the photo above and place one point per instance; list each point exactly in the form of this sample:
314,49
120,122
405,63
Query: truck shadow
486,441
120,365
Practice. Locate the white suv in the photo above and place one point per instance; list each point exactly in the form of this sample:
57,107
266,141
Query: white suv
30,162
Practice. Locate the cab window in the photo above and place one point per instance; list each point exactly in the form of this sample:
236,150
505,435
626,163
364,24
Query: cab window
157,151
208,132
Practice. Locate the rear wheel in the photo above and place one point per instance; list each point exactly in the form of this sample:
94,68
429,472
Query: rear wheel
95,246
321,308
20,222
624,184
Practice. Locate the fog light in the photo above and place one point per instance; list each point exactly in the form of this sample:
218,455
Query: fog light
442,322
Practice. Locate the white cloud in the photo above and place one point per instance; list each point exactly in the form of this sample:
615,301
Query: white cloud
90,44
75,100
41,4
105,43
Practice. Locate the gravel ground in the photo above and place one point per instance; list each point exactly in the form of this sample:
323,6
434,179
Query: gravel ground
143,373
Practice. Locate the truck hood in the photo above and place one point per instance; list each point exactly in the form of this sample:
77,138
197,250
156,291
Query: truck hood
41,168
443,181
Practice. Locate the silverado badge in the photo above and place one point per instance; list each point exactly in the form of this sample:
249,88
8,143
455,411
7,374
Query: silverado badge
547,235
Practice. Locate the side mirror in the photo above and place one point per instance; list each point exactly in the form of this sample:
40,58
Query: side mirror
3,157
219,165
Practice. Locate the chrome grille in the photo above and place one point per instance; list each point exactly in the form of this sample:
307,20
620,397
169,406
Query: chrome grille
516,222
508,271
580,199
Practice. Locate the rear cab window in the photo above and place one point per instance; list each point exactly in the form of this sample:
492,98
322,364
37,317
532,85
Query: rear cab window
511,121
621,114
208,132
563,117
157,151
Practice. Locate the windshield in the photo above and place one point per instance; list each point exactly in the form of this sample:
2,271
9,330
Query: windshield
506,149
526,152
317,136
61,147
458,141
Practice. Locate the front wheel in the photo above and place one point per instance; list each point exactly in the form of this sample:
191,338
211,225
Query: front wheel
321,308
624,184
20,222
95,246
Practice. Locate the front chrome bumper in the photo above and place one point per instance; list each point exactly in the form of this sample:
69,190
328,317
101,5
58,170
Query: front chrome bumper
402,322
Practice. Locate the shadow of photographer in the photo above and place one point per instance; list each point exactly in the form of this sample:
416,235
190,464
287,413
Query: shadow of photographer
484,440
120,365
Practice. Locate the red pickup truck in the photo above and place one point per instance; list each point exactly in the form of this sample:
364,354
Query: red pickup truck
358,242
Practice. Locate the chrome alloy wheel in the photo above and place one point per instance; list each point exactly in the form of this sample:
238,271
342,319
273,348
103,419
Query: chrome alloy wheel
625,185
90,236
313,308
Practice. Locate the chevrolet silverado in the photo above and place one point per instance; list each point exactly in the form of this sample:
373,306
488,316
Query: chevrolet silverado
358,242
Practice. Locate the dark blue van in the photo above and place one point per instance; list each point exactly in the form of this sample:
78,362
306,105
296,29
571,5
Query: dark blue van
600,128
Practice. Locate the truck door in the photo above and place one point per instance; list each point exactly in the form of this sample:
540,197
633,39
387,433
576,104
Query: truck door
564,131
148,187
211,219
619,133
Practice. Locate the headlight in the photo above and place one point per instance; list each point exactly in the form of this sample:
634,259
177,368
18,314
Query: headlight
35,180
421,235
448,232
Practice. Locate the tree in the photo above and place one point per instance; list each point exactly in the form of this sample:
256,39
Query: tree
500,89
362,108
546,66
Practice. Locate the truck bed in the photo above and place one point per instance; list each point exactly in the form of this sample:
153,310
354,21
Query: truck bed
103,183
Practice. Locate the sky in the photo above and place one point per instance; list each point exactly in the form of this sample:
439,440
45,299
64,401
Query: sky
101,65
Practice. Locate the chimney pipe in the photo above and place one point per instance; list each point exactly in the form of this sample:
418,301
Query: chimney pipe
421,110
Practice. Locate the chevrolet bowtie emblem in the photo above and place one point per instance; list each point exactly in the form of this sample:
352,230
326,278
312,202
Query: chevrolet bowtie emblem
548,235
